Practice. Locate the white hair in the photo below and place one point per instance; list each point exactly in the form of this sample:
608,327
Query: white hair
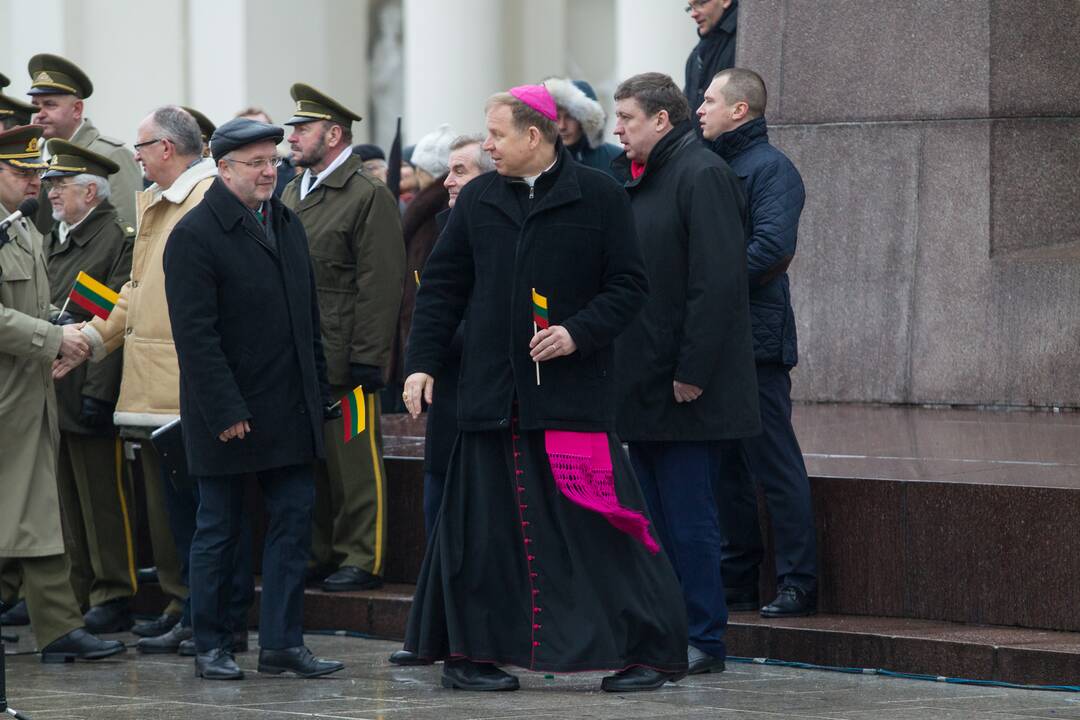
102,184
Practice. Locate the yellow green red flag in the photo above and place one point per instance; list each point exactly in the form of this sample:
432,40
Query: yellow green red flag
540,309
353,413
88,293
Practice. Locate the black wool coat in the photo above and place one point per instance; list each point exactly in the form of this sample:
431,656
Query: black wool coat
691,216
713,53
245,319
575,243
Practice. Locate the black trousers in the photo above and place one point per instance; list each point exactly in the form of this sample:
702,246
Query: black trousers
288,494
773,460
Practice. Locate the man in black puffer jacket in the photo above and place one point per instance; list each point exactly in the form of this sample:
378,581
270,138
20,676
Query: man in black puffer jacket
732,118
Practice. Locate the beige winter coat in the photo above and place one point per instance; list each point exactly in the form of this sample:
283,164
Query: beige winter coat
150,384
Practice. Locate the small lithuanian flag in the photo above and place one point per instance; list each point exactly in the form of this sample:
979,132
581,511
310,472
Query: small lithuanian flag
88,293
353,413
540,309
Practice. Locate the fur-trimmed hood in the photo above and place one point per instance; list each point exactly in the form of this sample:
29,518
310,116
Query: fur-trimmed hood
581,107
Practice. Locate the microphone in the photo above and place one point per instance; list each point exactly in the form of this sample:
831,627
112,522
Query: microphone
27,208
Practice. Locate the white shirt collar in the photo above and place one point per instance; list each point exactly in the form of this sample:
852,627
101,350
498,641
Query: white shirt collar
309,182
531,180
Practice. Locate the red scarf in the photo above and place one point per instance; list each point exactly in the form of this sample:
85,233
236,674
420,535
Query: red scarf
636,169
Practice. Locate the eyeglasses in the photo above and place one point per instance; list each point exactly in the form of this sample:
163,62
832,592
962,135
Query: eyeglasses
259,163
21,173
145,143
58,184
693,5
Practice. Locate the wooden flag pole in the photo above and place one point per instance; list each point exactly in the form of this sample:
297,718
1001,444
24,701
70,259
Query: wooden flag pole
536,361
68,299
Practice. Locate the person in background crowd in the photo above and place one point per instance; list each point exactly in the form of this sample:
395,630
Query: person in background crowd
31,538
581,123
717,22
13,112
241,243
523,569
96,498
354,233
732,117
407,184
206,128
431,158
468,161
58,89
685,366
287,170
373,159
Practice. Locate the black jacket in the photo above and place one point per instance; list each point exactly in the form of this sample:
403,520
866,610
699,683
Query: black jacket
575,243
245,320
695,328
774,189
713,53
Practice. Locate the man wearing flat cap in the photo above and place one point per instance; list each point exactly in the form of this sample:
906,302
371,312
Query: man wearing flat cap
253,394
58,88
30,532
89,237
13,113
354,232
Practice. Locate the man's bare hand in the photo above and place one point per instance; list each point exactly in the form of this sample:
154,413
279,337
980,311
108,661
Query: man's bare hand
551,343
237,431
685,392
74,346
417,386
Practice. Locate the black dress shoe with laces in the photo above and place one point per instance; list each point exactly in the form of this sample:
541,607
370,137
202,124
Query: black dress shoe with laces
16,615
350,577
165,644
480,677
298,660
637,679
791,602
218,664
406,657
109,617
156,627
698,662
238,643
79,645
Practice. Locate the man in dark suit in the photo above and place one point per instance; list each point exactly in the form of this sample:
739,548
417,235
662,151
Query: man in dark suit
252,393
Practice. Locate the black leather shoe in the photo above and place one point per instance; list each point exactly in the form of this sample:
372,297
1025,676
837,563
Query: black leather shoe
79,645
17,615
791,602
742,598
156,627
298,660
638,678
218,664
350,577
165,644
467,675
237,644
146,576
699,662
405,657
315,575
109,617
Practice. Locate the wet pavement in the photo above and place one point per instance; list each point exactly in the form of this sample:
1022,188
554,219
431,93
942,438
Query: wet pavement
164,688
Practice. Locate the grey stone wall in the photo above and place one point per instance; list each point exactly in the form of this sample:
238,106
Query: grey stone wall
939,251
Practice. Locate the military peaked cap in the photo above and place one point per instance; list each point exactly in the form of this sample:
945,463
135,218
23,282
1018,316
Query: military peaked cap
21,147
54,75
206,128
311,105
70,159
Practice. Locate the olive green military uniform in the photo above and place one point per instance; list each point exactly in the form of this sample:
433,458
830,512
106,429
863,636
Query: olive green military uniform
52,74
30,533
95,494
354,234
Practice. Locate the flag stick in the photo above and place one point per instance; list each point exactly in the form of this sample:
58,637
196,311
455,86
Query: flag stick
69,296
537,361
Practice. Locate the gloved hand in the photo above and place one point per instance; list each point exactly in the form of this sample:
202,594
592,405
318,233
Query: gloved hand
96,413
370,376
331,411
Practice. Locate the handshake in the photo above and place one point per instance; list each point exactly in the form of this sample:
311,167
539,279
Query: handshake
74,350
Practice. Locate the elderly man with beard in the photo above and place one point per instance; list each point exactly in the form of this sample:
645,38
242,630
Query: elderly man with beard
252,395
541,556
89,237
354,234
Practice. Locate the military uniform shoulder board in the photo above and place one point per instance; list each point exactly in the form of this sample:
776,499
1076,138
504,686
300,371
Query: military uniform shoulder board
128,230
110,141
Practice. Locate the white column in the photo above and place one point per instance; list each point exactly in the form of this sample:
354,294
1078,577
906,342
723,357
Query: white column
453,57
216,58
652,36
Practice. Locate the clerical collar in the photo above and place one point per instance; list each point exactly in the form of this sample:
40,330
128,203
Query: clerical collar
531,179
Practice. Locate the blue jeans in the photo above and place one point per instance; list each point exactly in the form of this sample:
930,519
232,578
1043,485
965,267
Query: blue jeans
676,479
288,495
